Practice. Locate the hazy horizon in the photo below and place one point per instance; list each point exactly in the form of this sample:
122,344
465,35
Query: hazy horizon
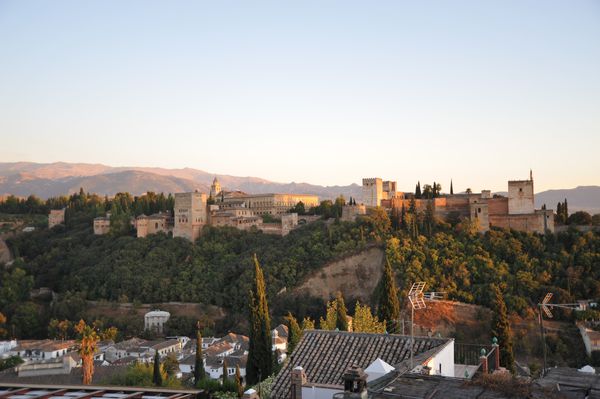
445,186
323,93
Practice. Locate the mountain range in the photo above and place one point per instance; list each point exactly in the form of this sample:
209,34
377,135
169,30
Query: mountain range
48,180
53,179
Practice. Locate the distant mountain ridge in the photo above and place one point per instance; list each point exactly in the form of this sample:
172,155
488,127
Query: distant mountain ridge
48,180
53,179
581,198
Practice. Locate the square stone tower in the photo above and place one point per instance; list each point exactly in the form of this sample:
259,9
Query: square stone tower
190,215
520,197
372,191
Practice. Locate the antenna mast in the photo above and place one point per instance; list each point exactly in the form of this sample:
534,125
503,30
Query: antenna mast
417,298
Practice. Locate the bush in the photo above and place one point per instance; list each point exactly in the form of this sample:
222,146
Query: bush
580,218
140,375
11,362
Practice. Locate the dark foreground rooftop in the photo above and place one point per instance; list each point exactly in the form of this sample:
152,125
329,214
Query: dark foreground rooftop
326,355
571,383
38,391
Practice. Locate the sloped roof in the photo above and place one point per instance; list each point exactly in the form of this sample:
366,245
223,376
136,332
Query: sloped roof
325,355
218,348
232,361
44,345
130,343
165,344
282,330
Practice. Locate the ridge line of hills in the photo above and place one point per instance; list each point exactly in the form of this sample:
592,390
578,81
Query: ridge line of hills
53,179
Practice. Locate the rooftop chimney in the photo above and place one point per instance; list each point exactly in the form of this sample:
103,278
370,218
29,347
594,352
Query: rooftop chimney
250,394
298,378
355,382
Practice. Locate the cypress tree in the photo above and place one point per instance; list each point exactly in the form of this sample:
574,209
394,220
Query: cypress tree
402,216
294,332
341,312
418,190
451,188
199,363
501,330
224,376
238,382
429,217
157,376
388,308
260,356
395,218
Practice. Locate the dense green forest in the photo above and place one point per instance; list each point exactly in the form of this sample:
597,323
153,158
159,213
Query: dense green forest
217,270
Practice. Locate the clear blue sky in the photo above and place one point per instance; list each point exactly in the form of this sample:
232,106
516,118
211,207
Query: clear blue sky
326,92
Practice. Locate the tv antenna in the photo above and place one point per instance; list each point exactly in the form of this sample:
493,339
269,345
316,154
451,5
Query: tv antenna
545,308
417,299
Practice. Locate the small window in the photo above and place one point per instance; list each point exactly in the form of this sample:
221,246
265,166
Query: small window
479,210
520,189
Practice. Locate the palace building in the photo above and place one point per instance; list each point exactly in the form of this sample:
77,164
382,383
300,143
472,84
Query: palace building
270,204
515,211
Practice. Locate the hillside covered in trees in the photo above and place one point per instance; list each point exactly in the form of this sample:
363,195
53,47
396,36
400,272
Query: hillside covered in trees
217,269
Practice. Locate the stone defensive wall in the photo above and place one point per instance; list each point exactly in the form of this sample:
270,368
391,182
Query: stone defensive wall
498,206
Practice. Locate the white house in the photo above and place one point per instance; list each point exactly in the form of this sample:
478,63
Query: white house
279,336
6,346
214,366
41,349
155,320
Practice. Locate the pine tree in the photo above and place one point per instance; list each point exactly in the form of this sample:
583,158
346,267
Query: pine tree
451,188
294,332
501,330
341,313
388,308
238,382
157,376
260,356
199,363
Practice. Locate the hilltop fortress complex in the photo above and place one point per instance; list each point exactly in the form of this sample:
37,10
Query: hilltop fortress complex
194,210
517,211
271,213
